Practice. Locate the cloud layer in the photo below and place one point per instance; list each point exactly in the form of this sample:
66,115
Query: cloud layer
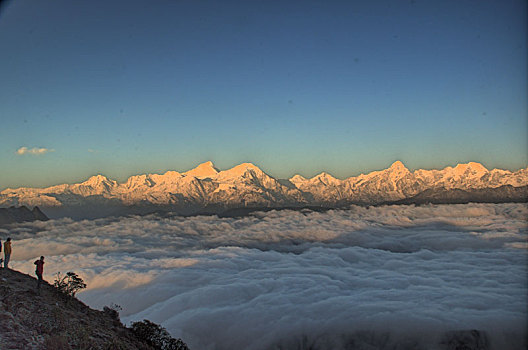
34,151
384,276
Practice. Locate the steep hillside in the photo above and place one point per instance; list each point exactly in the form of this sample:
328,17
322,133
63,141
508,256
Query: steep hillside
54,321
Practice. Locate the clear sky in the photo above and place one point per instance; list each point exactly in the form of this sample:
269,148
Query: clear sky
130,87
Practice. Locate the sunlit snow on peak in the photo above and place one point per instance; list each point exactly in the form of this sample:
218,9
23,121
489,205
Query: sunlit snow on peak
206,169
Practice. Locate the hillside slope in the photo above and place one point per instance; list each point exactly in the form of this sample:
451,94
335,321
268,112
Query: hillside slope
50,320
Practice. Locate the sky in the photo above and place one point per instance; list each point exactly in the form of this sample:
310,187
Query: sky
296,87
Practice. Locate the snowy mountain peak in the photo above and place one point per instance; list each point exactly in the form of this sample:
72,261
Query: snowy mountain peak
240,169
325,178
206,169
477,167
138,180
473,167
97,184
96,180
172,174
397,166
324,175
297,178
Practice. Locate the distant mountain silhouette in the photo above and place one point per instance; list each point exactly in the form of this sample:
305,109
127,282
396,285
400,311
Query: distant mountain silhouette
12,215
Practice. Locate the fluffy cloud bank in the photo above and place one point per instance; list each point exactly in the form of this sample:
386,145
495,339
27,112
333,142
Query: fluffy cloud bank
33,151
380,276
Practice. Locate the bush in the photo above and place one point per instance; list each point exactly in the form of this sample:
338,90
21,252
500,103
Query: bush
156,336
69,284
112,311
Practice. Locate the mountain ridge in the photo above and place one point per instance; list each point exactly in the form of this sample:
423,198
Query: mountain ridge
246,185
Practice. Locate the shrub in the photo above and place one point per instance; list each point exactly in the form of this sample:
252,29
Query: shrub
112,311
156,336
69,284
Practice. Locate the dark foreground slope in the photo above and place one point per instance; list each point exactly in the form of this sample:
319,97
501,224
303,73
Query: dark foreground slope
51,320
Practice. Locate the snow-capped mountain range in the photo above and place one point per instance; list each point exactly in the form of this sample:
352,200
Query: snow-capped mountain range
205,188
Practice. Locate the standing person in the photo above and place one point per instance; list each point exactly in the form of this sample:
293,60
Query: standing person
7,252
1,260
39,270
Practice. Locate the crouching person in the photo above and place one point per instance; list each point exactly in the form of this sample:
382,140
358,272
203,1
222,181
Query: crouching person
39,271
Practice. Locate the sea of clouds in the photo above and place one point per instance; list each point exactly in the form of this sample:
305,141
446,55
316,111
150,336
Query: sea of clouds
396,277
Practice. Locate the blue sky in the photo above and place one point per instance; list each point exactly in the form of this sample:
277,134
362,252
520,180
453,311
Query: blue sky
130,87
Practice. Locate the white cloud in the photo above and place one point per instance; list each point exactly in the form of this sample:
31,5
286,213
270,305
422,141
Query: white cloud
382,276
33,151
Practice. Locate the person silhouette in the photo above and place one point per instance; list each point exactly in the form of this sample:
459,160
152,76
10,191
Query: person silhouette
39,270
7,252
